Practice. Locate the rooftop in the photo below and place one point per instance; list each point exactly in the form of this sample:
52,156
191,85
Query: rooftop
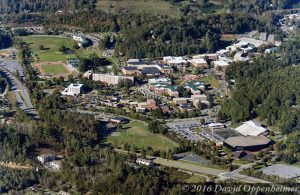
221,63
251,128
242,141
150,70
75,85
129,68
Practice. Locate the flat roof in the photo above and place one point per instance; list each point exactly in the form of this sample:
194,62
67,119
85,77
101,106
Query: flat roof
251,128
221,63
150,70
197,60
129,68
75,85
283,171
243,141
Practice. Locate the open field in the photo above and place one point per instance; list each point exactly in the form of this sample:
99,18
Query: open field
211,80
53,69
195,179
51,52
137,134
156,7
193,167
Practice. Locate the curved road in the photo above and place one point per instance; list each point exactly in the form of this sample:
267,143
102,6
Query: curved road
19,90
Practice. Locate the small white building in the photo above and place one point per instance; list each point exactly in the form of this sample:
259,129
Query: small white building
44,158
73,89
79,38
144,162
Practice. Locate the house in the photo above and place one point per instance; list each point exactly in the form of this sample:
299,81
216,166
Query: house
130,70
140,109
73,89
251,128
222,65
199,63
211,56
112,79
151,104
249,143
178,101
195,87
144,162
163,86
199,97
175,61
150,71
165,81
44,158
136,63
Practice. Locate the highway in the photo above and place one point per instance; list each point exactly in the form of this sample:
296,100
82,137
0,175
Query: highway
19,90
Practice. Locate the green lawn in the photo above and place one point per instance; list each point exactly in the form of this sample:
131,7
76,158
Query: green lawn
211,80
137,134
52,45
53,69
195,179
156,7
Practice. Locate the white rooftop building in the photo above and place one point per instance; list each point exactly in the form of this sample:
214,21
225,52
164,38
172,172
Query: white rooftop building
73,89
251,128
144,162
174,60
222,64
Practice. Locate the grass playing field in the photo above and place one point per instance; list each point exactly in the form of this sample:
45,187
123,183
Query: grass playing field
137,134
53,69
51,52
156,7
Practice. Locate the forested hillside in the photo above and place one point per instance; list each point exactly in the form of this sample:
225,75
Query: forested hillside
258,6
17,6
269,89
5,40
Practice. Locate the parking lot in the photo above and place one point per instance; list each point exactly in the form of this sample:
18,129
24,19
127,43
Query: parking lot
184,129
189,156
283,171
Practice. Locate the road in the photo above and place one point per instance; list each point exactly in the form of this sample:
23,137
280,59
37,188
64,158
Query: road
12,66
235,174
94,40
189,167
19,90
204,170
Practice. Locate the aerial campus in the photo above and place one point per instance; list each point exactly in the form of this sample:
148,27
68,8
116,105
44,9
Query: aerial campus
89,104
